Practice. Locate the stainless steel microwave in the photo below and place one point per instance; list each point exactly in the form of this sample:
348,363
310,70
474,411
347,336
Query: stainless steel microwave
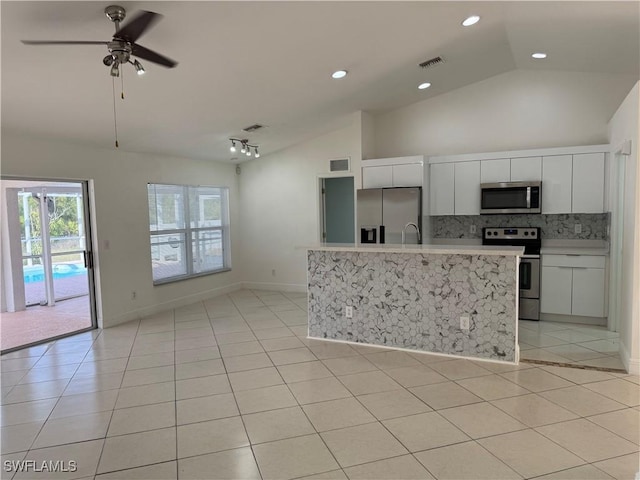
510,197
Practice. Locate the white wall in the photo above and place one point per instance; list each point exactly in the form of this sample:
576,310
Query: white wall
624,126
122,217
516,110
280,205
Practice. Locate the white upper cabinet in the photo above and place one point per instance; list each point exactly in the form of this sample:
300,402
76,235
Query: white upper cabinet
408,175
377,177
467,188
556,184
494,171
441,189
526,169
588,183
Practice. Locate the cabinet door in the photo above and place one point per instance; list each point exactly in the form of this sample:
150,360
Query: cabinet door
441,188
588,183
494,171
588,292
377,177
555,290
467,188
408,175
556,184
526,169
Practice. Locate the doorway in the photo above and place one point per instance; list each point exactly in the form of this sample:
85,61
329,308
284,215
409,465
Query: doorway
47,262
337,210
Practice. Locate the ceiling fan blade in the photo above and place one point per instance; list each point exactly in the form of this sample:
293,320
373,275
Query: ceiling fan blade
137,26
146,54
62,42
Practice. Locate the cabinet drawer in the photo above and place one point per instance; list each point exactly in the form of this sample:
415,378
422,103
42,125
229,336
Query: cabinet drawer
585,261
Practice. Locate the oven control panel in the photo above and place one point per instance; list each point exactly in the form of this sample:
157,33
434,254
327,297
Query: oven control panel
511,233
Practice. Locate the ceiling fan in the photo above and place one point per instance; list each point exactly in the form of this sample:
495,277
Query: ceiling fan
123,44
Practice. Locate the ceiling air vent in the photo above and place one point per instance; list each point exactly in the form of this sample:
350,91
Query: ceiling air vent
431,63
253,128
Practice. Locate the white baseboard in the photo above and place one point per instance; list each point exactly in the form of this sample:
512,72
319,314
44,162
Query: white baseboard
631,365
164,306
278,287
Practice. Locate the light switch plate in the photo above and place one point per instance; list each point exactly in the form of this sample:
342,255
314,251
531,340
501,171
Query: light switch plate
578,228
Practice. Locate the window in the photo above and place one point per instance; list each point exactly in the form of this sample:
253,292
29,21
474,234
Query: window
189,229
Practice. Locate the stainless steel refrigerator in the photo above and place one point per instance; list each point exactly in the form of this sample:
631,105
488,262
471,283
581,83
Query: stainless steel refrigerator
384,212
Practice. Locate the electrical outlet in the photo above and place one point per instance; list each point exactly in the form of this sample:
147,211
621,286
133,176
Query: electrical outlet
464,323
348,312
577,228
472,229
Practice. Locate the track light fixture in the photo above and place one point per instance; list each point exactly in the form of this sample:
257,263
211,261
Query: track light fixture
245,147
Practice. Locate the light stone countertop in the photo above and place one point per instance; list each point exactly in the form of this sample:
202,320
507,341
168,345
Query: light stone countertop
502,251
574,251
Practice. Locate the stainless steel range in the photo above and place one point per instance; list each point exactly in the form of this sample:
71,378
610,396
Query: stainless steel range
529,238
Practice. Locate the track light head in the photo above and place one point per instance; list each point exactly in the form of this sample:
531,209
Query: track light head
257,153
233,146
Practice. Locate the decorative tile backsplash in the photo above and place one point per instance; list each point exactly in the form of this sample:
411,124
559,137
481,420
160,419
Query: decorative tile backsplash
554,226
415,301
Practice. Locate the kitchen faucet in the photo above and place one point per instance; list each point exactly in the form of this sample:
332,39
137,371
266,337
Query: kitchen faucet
404,230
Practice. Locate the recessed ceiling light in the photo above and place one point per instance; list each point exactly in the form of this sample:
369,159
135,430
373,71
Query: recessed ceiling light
339,74
539,55
472,20
424,85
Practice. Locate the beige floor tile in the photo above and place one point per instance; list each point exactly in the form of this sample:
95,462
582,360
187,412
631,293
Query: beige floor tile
349,365
269,333
609,346
610,361
621,468
573,352
618,390
85,403
333,414
199,342
582,401
529,453
237,349
362,444
18,438
465,461
197,355
625,423
146,376
481,420
427,430
332,475
415,376
210,437
263,399
85,454
238,337
369,382
319,390
79,428
146,394
534,410
545,354
393,404
579,375
142,418
295,355
404,467
277,425
325,350
503,367
202,409
30,392
150,361
459,369
536,379
444,395
299,372
102,366
585,472
202,386
159,471
294,457
392,359
250,379
587,440
47,374
247,362
282,343
26,412
138,449
236,464
492,387
204,368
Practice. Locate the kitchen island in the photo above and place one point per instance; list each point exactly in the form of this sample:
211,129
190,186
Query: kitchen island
413,297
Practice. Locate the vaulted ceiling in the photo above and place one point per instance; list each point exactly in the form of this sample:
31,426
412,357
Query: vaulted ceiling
247,62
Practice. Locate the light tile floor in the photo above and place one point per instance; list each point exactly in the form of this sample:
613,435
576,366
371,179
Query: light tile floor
231,388
571,343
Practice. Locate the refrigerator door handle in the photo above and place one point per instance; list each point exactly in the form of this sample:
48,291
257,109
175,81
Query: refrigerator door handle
381,233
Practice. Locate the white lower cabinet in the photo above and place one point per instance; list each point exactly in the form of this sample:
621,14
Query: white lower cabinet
573,285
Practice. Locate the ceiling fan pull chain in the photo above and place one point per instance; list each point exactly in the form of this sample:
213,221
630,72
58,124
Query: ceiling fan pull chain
122,84
115,118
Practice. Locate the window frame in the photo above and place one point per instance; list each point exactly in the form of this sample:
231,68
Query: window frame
189,232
